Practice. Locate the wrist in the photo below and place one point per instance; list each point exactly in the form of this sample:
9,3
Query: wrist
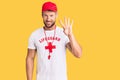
70,34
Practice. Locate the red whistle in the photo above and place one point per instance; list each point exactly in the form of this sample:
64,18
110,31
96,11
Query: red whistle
49,57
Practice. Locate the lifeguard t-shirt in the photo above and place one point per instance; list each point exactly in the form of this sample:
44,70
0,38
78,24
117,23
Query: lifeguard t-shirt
51,53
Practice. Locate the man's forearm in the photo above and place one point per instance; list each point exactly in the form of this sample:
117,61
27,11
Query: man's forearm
29,68
76,49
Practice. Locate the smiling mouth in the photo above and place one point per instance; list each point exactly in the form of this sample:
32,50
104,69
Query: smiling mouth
48,22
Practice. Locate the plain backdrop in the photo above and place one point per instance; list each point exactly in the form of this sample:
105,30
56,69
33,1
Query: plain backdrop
96,28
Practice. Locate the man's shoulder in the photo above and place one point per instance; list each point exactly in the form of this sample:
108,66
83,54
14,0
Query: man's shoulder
61,31
36,32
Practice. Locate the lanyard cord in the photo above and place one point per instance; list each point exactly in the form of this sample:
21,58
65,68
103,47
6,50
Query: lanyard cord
50,42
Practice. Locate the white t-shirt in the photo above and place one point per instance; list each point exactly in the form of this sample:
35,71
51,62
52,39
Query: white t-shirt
53,68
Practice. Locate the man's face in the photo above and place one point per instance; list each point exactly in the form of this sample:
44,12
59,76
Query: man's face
49,18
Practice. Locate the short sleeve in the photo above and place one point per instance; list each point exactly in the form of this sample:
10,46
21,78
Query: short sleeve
66,40
31,42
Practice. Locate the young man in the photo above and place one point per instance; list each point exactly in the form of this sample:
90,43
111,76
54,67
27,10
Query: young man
50,43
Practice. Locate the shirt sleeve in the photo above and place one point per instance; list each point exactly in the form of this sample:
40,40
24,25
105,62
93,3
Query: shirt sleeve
66,40
31,42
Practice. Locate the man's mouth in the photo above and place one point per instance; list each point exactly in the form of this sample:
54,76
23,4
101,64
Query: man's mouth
48,22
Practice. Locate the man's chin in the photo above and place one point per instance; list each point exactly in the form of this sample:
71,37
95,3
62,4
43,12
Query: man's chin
48,26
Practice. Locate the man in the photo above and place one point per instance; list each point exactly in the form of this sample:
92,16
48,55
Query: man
50,43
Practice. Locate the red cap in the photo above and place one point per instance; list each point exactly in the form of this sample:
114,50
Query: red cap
49,6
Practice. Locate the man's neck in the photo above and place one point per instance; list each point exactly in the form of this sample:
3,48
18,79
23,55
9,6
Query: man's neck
52,28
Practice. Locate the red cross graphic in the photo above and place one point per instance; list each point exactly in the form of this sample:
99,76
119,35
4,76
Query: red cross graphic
50,47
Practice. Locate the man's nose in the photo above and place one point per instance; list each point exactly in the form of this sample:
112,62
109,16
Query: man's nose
48,18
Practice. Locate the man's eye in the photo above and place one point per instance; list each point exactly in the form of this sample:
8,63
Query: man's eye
51,15
45,15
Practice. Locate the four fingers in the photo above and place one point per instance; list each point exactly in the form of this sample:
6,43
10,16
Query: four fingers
66,23
71,25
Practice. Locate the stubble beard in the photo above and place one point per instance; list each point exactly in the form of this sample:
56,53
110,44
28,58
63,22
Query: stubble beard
50,25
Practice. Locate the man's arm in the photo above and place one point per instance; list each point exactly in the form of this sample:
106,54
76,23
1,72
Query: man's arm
74,47
30,63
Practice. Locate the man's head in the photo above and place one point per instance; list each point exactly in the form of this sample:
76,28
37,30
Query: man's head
49,14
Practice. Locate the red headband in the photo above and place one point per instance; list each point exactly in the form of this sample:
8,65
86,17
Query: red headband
49,6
